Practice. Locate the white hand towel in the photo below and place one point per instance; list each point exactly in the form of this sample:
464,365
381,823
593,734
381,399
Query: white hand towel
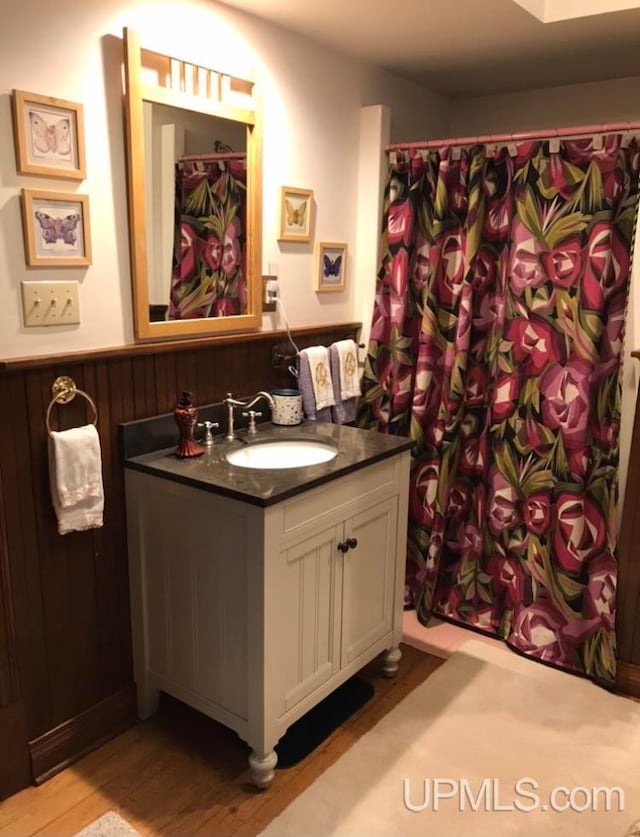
349,372
343,411
75,478
318,357
308,398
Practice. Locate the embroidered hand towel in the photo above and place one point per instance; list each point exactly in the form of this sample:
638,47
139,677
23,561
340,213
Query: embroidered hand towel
306,388
349,373
318,357
75,478
343,411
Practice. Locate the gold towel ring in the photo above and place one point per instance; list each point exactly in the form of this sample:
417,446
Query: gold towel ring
64,390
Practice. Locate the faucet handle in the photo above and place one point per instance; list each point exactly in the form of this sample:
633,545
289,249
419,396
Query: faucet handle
208,427
253,415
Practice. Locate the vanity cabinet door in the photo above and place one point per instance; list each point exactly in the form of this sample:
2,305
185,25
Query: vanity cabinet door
330,604
368,578
307,616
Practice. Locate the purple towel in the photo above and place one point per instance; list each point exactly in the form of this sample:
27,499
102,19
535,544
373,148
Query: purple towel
306,388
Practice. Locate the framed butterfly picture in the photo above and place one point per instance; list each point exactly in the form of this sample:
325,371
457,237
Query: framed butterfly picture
331,269
56,229
49,136
296,207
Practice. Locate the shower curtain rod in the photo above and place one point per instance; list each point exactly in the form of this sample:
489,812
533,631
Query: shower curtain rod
550,133
213,156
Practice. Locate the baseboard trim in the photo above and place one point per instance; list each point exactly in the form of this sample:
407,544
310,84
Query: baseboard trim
15,765
628,679
66,743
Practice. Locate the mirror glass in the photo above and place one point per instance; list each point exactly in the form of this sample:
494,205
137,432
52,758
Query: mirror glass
195,183
194,166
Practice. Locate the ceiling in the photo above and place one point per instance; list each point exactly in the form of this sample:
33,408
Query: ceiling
471,47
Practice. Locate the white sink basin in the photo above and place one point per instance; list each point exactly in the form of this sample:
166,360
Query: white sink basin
281,454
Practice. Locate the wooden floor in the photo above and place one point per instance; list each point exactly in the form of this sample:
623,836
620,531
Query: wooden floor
183,774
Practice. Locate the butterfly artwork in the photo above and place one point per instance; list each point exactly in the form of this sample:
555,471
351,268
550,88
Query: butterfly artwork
295,215
57,229
53,229
50,137
331,267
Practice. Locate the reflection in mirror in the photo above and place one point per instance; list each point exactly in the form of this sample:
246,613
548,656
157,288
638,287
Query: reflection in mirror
194,166
196,231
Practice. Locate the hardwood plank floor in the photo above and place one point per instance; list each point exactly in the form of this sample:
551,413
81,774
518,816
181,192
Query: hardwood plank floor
181,774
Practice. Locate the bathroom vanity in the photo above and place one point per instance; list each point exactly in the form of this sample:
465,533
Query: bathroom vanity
256,592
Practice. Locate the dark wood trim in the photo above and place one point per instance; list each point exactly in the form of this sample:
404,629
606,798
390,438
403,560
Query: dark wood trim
9,671
15,764
64,744
159,348
628,679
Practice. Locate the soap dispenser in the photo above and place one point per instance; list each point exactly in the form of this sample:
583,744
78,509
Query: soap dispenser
186,416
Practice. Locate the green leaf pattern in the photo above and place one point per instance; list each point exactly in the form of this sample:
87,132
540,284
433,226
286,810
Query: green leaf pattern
495,345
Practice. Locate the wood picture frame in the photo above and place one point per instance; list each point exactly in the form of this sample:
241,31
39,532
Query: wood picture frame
296,214
56,229
331,267
49,136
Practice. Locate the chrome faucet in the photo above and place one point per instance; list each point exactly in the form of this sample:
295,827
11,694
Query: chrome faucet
232,402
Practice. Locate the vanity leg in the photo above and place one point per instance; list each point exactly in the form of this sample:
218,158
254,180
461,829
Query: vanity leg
262,767
391,661
148,700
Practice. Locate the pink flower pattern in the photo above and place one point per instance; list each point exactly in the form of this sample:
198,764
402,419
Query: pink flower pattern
209,271
496,344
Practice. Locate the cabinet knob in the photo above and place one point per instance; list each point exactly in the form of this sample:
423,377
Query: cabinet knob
343,547
352,543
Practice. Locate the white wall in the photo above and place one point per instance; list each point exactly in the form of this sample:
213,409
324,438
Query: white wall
312,102
375,128
579,104
551,107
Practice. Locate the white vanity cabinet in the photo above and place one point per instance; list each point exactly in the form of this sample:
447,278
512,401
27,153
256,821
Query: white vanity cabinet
254,613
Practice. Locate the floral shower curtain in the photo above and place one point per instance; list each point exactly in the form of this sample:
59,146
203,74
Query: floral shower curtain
496,345
209,271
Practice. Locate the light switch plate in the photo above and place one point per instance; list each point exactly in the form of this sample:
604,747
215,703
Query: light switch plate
266,305
50,303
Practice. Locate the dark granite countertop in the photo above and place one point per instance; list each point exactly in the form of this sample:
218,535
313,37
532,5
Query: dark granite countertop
211,472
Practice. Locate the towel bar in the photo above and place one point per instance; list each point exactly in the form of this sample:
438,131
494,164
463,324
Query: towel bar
64,390
278,358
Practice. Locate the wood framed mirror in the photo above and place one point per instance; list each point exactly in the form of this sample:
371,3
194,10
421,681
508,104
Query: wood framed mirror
194,166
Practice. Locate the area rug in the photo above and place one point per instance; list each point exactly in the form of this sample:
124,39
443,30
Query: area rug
441,639
490,744
110,824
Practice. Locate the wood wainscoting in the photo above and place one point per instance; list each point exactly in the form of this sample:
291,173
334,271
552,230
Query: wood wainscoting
65,643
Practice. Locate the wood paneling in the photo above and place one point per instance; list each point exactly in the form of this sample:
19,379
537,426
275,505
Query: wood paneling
63,744
9,680
14,763
65,645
